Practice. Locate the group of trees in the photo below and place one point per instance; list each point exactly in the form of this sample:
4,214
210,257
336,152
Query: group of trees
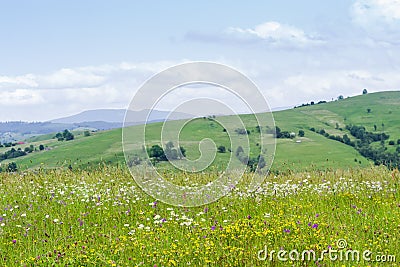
253,163
15,153
242,131
157,153
365,143
340,97
278,133
65,135
12,153
8,144
11,167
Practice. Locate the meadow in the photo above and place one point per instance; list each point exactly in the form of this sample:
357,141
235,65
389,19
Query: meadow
76,204
101,218
315,152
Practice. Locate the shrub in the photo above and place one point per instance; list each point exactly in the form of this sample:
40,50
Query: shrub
221,149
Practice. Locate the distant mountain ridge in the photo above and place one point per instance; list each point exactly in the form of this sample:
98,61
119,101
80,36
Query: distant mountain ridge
100,119
118,115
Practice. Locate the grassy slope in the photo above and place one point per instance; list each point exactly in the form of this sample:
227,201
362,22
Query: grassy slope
314,152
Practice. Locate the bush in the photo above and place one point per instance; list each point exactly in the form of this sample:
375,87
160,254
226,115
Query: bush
242,131
12,167
221,149
239,150
301,133
391,143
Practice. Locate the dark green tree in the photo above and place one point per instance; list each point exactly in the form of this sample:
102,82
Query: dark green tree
221,149
157,153
68,135
239,150
12,167
59,137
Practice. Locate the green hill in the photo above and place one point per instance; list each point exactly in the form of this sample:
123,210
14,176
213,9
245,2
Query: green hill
313,151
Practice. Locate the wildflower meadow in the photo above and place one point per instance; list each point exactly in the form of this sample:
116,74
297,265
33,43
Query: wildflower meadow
102,218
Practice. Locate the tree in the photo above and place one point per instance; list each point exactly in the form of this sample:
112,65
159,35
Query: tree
340,97
221,149
41,147
239,150
183,152
59,137
277,132
365,91
170,152
242,131
12,167
375,127
68,135
86,133
156,152
301,133
368,110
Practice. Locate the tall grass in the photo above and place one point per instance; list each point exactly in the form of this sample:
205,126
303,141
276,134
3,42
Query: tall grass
102,218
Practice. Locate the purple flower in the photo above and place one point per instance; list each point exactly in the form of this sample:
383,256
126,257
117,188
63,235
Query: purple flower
317,215
14,241
1,219
248,217
309,224
315,225
286,230
298,222
154,204
213,227
205,210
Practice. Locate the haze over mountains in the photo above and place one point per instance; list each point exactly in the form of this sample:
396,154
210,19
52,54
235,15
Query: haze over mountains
100,119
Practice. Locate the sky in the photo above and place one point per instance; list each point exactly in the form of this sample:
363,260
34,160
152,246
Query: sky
59,58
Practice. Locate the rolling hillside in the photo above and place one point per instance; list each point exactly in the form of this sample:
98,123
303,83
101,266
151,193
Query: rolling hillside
313,151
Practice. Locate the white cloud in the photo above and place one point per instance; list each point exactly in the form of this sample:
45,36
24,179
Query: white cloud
19,97
275,33
270,33
68,91
28,80
327,85
379,19
366,12
30,97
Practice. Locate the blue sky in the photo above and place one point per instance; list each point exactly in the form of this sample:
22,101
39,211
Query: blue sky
61,57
